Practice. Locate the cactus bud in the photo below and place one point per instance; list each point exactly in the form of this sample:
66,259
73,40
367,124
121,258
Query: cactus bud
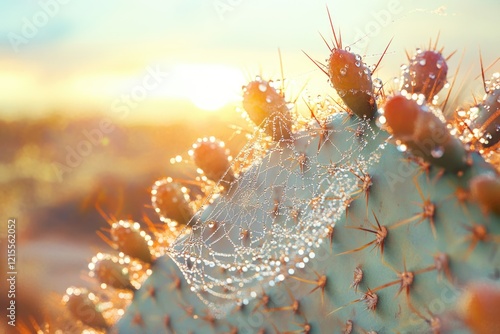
131,240
268,108
210,155
424,134
109,271
170,202
84,307
353,81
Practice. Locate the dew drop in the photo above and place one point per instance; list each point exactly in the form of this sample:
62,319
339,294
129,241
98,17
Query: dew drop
377,83
262,87
402,148
358,64
422,62
343,71
437,152
432,75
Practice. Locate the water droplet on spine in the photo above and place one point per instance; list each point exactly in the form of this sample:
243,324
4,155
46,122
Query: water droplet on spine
377,83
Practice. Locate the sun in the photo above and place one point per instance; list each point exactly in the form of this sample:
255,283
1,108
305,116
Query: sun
208,86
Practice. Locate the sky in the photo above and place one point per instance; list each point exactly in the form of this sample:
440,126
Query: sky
161,59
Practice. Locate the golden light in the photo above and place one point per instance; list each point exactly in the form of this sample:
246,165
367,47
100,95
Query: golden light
208,86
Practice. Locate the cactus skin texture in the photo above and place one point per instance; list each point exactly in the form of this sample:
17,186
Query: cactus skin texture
414,249
431,250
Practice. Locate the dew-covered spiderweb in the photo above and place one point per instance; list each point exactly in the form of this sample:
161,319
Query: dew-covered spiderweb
278,212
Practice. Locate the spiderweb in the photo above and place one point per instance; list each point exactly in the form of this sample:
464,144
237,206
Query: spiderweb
278,212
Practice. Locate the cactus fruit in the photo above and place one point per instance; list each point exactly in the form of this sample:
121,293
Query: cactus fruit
211,156
424,133
426,73
351,78
264,105
485,189
84,306
485,126
128,238
109,271
479,307
170,202
353,81
341,232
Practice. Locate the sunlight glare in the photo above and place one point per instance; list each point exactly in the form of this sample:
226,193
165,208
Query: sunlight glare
208,86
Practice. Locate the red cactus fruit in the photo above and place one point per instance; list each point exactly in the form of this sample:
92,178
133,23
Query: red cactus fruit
353,82
426,74
268,108
485,189
424,133
211,156
401,115
170,202
131,240
479,308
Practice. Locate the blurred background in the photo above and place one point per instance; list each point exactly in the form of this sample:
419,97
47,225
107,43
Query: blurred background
97,97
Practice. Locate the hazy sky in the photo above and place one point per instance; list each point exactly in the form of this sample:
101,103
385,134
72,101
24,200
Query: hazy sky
82,55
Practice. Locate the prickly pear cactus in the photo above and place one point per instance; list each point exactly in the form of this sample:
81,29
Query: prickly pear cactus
379,216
